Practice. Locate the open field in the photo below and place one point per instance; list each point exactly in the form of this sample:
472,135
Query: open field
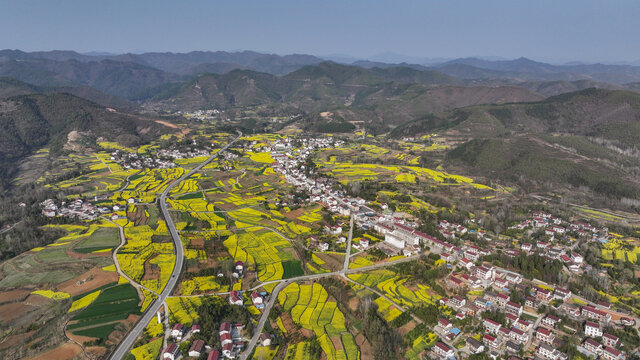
100,317
311,309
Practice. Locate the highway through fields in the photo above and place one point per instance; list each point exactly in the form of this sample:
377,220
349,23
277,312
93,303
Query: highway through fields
126,343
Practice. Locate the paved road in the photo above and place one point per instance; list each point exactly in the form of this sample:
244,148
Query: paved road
263,319
281,283
347,255
131,337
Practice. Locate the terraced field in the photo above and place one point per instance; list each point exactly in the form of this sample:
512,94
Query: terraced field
311,309
141,253
392,286
266,251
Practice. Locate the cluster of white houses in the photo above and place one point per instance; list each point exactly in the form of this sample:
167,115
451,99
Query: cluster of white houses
78,208
129,160
403,237
231,342
554,226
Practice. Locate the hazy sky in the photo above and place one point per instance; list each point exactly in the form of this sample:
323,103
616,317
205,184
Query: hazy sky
559,30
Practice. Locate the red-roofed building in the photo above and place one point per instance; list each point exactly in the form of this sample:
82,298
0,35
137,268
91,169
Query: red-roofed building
445,324
227,348
196,348
562,293
519,336
550,321
466,263
214,355
225,328
610,340
513,308
177,331
592,329
544,335
502,300
482,272
226,339
592,313
235,298
523,325
543,294
491,325
504,332
457,301
443,350
491,341
171,352
612,354
593,346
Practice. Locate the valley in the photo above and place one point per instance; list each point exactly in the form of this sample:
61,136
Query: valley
294,208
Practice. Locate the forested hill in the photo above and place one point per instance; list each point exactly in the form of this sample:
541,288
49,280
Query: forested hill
610,114
29,122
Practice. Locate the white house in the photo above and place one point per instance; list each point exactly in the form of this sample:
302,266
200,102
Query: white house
394,240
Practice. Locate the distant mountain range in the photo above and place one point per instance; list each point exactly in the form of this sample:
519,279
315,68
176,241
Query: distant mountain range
106,72
574,124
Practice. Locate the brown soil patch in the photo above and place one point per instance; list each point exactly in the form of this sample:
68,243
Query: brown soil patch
95,352
365,347
353,303
10,312
167,124
249,279
150,272
13,295
292,215
404,329
37,300
306,333
116,336
66,351
138,216
88,281
337,343
196,243
288,323
13,340
333,262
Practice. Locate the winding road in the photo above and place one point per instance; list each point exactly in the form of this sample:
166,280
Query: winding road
126,343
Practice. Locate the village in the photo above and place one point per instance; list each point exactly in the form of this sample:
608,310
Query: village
525,327
518,315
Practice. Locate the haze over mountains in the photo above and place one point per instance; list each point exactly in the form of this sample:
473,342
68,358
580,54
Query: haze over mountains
503,107
133,75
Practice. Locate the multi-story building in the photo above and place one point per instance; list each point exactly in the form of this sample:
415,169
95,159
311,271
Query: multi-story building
610,340
592,329
443,350
593,346
545,335
550,320
590,312
513,308
612,354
